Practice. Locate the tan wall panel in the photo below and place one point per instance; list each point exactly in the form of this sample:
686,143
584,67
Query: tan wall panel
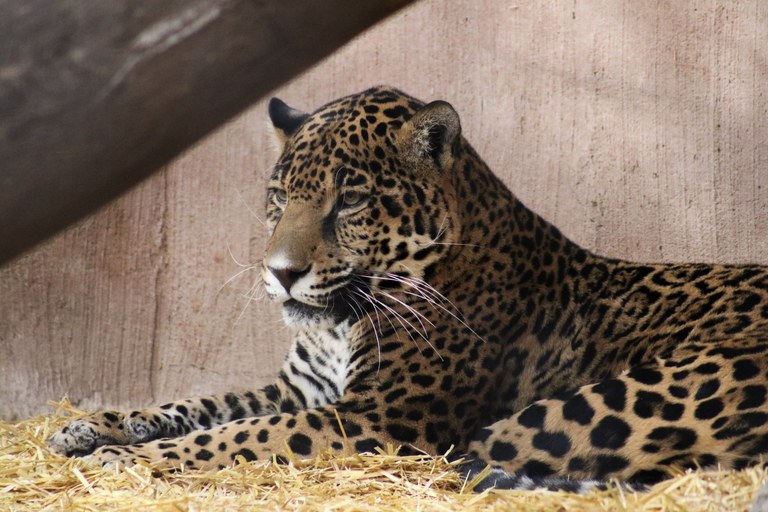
638,127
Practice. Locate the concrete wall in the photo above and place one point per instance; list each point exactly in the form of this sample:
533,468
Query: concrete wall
639,128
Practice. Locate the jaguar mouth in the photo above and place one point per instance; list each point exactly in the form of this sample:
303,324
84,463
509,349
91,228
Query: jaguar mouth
295,306
337,308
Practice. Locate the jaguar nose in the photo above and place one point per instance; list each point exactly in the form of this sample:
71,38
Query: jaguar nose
288,276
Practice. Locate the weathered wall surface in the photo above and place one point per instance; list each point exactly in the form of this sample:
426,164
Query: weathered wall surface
638,127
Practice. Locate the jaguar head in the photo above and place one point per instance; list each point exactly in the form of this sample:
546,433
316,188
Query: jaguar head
360,202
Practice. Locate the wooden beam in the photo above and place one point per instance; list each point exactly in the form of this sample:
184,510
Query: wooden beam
94,96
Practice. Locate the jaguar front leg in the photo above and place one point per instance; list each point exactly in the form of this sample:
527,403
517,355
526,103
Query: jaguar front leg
83,435
355,425
300,384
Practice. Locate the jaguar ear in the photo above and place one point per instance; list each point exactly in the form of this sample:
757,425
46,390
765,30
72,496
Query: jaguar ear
285,119
432,134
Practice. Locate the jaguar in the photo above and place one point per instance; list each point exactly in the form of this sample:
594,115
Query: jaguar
432,310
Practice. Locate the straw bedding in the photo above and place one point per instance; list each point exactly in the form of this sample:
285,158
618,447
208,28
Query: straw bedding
31,478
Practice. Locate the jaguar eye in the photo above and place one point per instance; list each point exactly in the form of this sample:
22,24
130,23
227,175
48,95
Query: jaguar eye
351,198
280,197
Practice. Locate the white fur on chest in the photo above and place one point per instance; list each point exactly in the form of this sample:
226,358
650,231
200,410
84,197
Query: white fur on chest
318,364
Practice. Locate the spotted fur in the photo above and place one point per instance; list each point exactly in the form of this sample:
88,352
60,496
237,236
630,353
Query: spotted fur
432,309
